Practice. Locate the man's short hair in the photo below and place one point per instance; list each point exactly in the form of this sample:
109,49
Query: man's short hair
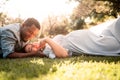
31,21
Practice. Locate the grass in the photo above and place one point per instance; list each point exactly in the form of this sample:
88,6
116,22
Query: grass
74,68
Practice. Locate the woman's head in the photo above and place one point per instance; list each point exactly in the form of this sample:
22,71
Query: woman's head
31,48
36,46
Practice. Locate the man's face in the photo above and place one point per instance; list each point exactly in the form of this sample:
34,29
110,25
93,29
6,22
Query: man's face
28,33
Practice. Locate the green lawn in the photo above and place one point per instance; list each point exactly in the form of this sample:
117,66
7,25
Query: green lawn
74,68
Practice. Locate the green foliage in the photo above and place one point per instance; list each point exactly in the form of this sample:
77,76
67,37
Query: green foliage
74,68
114,7
97,10
5,19
2,19
78,24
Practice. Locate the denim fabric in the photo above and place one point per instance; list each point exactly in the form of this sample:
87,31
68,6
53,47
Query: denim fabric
10,39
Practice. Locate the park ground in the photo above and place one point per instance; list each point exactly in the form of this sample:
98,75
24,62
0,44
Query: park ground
73,68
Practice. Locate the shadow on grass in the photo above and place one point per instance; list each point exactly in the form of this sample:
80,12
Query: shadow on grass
26,68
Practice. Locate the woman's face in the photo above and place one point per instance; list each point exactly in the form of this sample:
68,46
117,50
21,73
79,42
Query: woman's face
31,48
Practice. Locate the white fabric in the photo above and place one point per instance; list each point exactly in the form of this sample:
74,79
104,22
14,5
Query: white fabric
103,39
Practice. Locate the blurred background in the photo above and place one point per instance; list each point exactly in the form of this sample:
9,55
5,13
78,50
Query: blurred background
59,16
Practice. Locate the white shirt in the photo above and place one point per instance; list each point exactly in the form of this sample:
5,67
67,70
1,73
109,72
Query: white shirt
103,39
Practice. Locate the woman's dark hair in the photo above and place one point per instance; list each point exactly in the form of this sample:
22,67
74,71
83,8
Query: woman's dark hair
23,49
31,21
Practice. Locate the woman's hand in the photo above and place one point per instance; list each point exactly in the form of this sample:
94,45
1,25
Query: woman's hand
42,44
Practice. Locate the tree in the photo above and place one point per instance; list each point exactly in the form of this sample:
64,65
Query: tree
2,19
97,10
55,25
3,16
105,7
114,7
48,25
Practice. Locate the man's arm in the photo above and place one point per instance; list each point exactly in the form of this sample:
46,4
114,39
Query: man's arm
8,42
23,55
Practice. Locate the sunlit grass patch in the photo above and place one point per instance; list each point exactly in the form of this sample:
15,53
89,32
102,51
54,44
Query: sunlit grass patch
74,68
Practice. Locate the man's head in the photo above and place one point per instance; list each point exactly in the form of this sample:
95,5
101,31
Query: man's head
29,29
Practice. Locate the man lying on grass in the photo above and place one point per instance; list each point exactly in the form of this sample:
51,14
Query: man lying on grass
103,39
14,37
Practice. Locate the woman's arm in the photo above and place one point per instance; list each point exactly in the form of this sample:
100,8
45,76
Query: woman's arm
57,49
